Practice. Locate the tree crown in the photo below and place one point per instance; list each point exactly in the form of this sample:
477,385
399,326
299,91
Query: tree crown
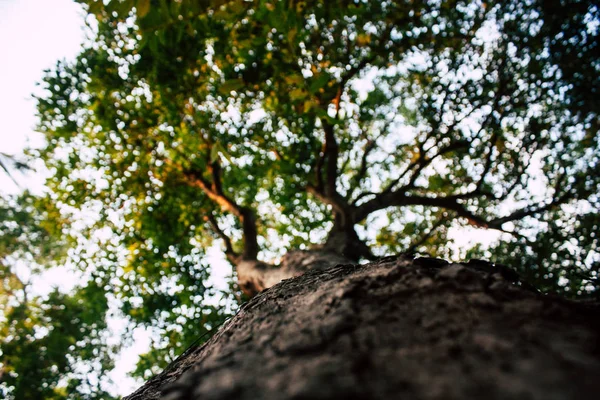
275,125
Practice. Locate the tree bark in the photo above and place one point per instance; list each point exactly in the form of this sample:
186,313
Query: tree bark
397,328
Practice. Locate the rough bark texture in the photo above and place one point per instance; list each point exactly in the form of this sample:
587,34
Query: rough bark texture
397,328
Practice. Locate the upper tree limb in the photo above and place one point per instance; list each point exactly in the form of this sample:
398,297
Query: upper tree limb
214,190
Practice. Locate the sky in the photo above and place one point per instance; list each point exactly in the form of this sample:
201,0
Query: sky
34,34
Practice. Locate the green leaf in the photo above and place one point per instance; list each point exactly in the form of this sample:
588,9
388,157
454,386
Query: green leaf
308,105
142,7
294,79
96,8
291,36
318,82
231,85
298,94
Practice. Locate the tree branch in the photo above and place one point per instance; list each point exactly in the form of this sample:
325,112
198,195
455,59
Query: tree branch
362,170
529,211
488,162
353,71
337,202
325,187
399,198
214,191
319,170
331,157
423,162
232,256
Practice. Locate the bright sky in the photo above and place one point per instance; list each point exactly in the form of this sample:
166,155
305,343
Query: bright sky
34,34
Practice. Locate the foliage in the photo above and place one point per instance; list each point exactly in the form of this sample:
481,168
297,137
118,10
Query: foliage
271,124
44,339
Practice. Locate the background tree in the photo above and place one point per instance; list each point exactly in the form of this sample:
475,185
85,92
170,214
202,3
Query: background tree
345,129
51,343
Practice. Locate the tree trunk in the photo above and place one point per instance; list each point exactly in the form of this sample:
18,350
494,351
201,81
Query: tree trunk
397,328
254,276
342,247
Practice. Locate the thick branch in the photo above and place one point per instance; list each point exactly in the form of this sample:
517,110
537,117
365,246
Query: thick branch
519,179
398,198
226,204
319,170
337,203
488,161
214,191
355,70
529,211
362,170
331,157
326,169
325,189
330,150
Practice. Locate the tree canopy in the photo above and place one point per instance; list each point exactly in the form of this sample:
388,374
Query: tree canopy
264,126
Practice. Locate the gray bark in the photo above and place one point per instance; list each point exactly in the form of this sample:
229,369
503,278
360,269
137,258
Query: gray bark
397,328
